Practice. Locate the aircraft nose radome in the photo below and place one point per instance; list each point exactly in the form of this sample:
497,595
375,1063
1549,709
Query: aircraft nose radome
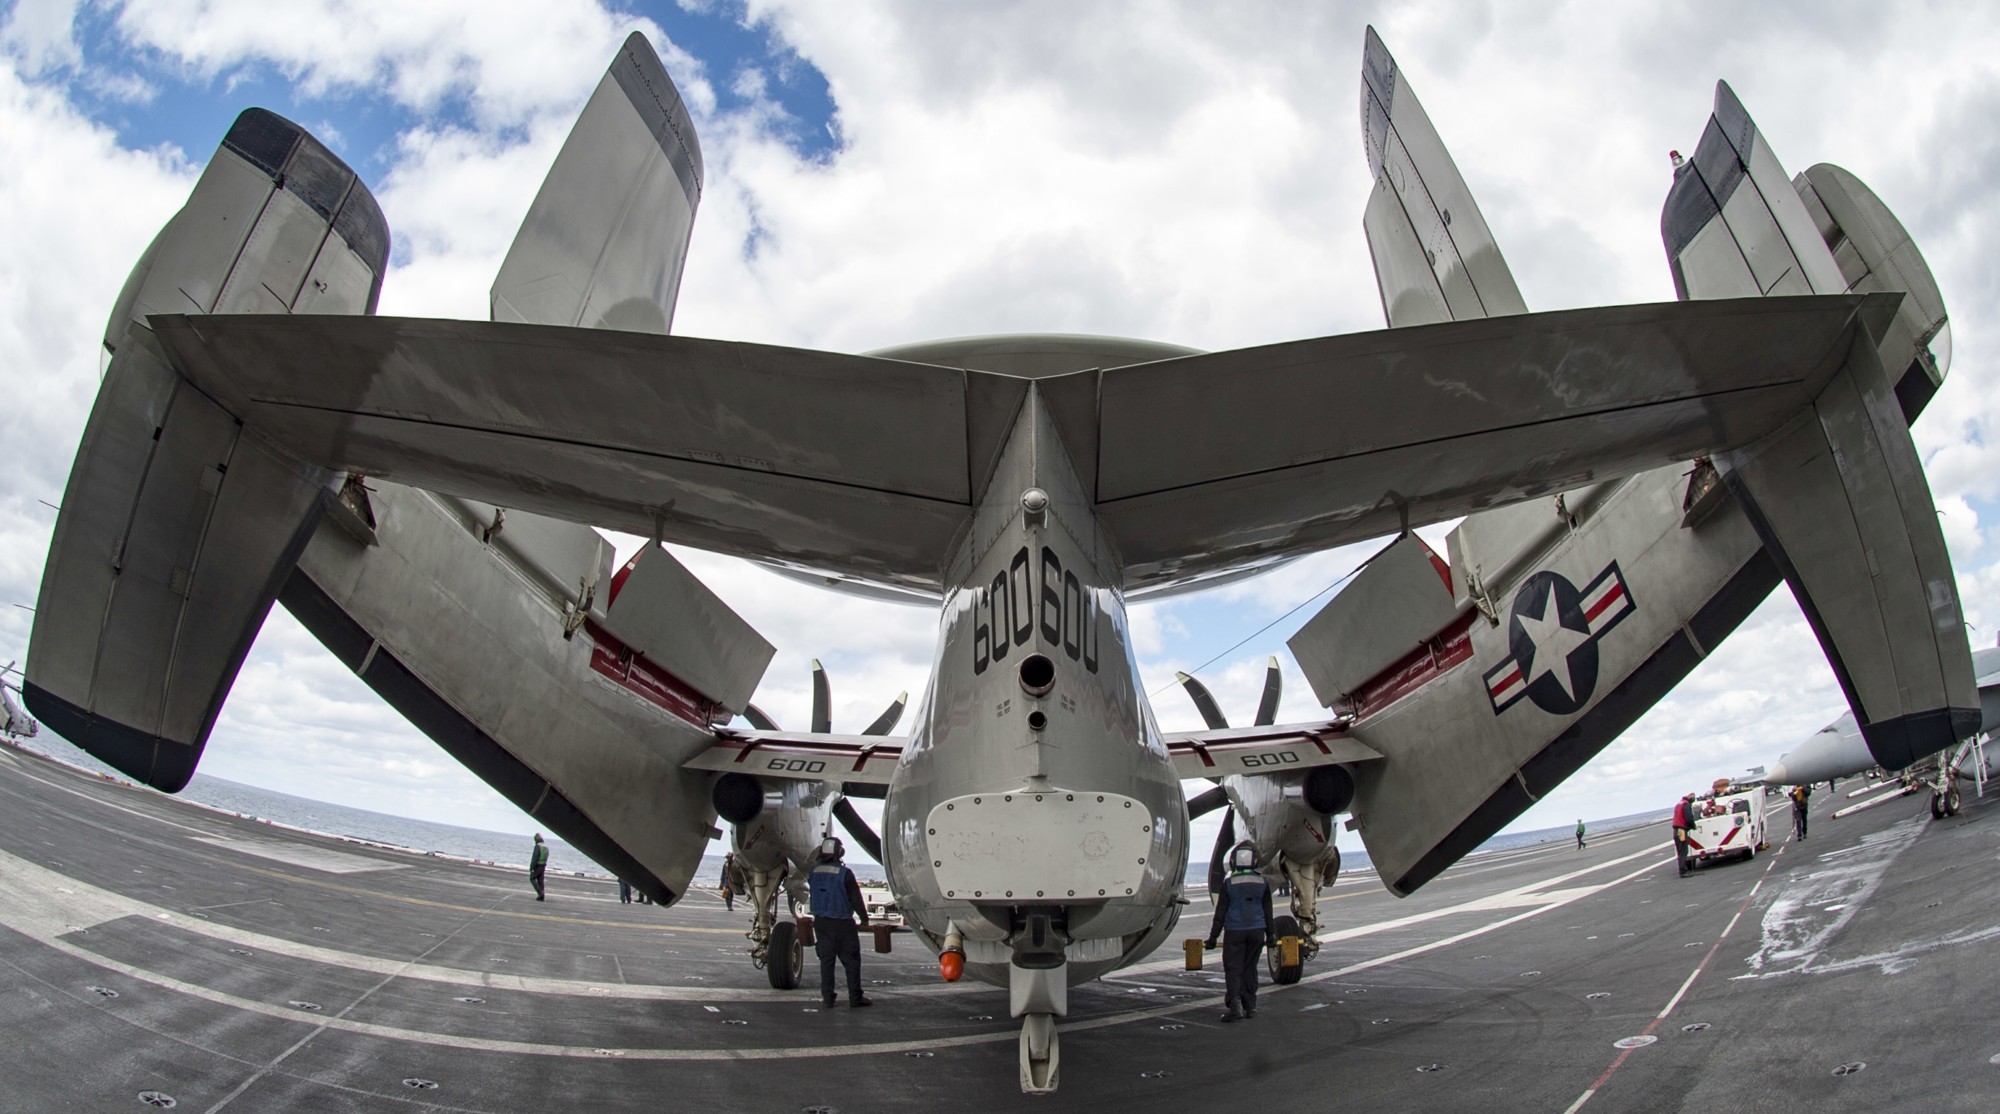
1777,774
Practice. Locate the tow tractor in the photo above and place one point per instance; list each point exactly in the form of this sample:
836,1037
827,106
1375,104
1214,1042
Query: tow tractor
1729,824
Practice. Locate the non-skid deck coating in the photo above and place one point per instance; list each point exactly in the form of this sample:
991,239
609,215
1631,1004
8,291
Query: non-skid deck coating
150,947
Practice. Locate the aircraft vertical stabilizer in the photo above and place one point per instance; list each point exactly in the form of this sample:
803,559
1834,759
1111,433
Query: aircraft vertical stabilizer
1839,496
179,525
1435,258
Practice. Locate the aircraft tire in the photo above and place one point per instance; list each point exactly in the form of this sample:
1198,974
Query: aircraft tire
1282,975
1937,806
787,956
1951,802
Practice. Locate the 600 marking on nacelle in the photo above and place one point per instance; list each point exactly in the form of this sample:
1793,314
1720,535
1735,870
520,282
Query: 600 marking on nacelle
795,765
1275,758
1005,613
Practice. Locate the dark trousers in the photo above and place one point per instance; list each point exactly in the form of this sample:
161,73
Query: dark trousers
624,892
1681,849
841,940
535,880
1241,949
1799,821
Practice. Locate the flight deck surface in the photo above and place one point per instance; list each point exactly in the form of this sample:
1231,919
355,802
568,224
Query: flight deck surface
152,947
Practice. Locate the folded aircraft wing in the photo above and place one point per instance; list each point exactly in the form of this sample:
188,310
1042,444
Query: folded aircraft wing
869,467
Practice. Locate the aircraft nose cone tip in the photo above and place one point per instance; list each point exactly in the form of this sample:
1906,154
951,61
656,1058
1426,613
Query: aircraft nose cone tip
1777,775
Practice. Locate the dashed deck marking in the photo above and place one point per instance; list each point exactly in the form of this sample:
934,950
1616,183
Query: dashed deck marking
1676,999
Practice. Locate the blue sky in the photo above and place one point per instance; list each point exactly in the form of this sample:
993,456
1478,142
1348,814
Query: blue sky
887,172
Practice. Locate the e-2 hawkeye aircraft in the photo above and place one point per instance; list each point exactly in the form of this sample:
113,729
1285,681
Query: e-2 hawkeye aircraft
420,494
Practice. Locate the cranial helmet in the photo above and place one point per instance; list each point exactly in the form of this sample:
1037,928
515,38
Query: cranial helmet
1244,857
831,848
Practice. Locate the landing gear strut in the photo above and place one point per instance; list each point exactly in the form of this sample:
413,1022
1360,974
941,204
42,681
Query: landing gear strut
1038,993
1302,926
1038,996
765,886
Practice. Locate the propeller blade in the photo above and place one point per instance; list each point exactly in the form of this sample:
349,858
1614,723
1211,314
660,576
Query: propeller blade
864,837
822,719
1203,702
1208,802
758,719
1218,870
1274,687
892,715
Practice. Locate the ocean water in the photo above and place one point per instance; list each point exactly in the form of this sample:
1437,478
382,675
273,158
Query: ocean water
502,848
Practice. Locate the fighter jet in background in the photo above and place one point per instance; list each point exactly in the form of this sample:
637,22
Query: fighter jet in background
13,721
1838,750
421,495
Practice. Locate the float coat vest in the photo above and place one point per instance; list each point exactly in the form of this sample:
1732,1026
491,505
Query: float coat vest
1245,895
828,884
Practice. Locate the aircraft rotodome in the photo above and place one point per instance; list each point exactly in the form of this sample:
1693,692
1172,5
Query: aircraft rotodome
421,494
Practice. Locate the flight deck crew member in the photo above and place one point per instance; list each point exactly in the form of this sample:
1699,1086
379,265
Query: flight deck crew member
836,901
537,863
1243,920
732,880
1579,835
1801,795
1683,820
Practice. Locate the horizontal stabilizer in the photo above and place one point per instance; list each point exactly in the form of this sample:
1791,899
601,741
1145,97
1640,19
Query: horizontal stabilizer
865,466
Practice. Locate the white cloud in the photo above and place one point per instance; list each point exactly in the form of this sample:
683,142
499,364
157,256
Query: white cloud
40,34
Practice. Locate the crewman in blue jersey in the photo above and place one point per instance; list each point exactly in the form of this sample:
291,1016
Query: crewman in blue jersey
836,901
1243,920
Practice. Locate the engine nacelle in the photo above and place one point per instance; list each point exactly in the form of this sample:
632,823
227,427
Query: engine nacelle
777,824
1292,816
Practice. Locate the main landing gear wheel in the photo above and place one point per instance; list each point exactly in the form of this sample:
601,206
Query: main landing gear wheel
786,958
1281,973
1944,804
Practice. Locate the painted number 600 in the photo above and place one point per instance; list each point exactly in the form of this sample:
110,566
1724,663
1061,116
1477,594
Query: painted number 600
795,765
1278,758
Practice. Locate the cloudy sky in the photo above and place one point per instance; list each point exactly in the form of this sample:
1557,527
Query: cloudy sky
887,172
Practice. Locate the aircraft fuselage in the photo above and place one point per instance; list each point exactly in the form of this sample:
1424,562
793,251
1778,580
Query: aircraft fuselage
1036,782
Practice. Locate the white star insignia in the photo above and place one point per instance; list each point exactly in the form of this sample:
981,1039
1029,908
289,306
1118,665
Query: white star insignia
1553,644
